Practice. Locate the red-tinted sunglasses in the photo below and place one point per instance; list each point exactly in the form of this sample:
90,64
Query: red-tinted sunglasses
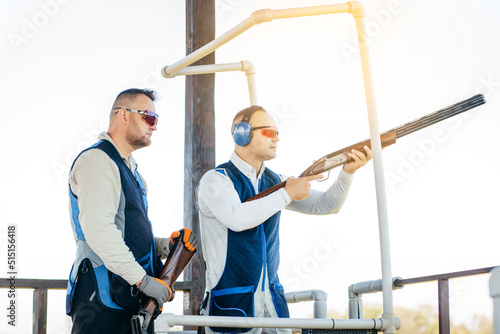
148,116
268,131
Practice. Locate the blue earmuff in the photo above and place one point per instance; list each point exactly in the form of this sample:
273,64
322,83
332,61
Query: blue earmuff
242,132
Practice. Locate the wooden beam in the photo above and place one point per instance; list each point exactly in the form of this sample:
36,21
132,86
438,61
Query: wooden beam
199,146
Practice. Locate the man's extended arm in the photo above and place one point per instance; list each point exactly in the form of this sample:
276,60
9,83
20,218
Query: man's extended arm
328,202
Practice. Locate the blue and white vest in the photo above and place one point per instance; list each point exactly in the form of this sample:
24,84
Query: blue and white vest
113,292
251,253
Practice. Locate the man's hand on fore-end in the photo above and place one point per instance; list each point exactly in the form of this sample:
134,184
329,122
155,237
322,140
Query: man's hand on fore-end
360,160
189,239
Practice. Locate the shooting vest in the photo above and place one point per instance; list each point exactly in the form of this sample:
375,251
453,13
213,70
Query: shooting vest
250,254
113,292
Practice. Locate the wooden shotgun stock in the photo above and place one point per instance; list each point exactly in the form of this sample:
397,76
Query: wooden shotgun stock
340,157
177,260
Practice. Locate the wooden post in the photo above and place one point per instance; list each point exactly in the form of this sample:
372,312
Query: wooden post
199,146
40,311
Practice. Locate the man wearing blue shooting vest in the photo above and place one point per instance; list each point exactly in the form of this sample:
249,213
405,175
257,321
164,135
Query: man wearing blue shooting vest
117,254
240,239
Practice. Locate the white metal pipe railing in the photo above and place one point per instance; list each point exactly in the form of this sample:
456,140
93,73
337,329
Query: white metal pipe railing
357,10
356,291
251,322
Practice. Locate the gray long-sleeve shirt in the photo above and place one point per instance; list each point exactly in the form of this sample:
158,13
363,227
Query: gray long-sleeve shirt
95,180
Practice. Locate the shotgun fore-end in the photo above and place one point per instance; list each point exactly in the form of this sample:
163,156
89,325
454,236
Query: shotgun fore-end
341,157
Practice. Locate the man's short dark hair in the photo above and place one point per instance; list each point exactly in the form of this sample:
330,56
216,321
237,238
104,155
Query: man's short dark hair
133,92
253,109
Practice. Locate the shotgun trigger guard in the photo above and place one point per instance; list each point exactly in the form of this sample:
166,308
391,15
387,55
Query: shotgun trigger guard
327,177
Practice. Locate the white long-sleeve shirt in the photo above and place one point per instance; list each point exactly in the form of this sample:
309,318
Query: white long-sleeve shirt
220,209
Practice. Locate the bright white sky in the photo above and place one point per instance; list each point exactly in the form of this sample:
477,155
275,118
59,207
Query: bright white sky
63,63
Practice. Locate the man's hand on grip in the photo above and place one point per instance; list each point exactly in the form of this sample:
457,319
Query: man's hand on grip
298,188
157,289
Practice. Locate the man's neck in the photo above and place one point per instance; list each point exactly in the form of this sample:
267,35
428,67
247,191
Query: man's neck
255,163
122,145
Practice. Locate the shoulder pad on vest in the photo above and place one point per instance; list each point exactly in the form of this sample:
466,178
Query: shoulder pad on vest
221,170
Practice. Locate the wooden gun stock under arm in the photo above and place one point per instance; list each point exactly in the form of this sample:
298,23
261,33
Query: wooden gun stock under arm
340,157
177,260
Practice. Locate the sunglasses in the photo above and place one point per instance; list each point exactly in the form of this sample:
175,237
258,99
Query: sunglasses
148,116
268,131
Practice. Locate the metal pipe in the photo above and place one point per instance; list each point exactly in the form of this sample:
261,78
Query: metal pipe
318,296
306,295
495,294
209,47
310,11
249,69
371,286
357,290
204,69
244,65
251,322
260,16
379,174
355,307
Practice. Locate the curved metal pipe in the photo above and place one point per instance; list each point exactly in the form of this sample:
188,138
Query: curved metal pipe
244,65
319,297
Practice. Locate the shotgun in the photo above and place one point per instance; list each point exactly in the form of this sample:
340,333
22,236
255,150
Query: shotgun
340,157
177,260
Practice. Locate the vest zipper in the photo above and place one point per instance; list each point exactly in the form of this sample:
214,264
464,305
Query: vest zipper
264,253
264,256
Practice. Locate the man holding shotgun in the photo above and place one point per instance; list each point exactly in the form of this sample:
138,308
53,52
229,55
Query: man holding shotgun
240,238
117,256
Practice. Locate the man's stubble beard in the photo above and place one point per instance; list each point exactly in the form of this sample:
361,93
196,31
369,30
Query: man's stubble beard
134,137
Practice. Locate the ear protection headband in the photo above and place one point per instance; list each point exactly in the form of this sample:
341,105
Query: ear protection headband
242,132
